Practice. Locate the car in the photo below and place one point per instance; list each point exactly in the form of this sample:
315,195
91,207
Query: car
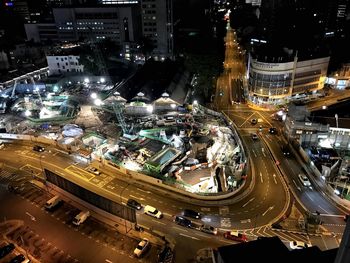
134,204
235,236
6,250
254,136
253,121
209,229
304,180
142,247
94,170
165,255
152,211
273,130
285,150
182,221
192,214
19,259
298,245
38,148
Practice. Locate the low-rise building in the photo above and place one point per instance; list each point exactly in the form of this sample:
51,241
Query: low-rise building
63,64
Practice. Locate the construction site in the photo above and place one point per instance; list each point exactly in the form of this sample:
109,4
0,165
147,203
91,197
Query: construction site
184,145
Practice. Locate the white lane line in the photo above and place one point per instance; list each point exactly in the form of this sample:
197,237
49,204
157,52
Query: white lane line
267,210
140,198
298,187
201,235
274,178
250,200
167,214
158,222
324,209
229,242
263,152
309,197
188,236
261,178
148,192
181,229
254,153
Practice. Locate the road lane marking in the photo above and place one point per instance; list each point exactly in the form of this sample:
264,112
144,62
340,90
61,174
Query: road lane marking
167,214
245,221
309,196
263,152
298,187
148,192
274,178
189,236
31,216
158,222
254,153
250,200
324,209
140,198
261,178
181,229
267,210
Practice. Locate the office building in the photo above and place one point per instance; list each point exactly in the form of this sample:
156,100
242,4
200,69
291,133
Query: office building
157,26
275,83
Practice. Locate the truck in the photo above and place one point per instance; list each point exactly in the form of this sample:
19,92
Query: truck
81,217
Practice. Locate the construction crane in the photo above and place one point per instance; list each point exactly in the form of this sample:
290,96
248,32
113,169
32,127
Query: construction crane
118,110
100,61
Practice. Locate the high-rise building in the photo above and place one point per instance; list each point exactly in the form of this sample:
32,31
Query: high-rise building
157,26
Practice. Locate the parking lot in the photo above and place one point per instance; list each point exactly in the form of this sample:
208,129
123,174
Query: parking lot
50,236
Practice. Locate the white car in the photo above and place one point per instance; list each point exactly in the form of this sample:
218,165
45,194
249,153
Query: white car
152,211
94,170
142,247
304,180
209,229
298,245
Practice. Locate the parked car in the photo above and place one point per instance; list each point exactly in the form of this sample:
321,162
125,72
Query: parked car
298,245
209,229
253,121
304,180
235,236
273,130
152,211
134,204
254,136
192,213
142,247
94,170
38,148
182,221
7,249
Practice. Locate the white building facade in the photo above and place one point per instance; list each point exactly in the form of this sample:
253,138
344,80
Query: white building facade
64,65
